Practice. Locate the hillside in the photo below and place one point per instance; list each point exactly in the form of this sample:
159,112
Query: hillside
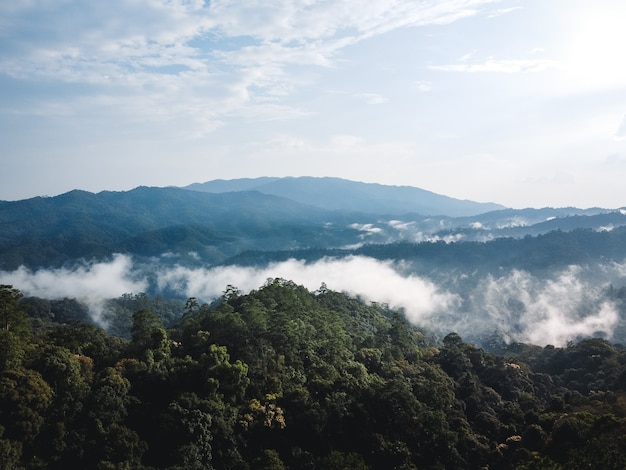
341,194
151,221
287,378
177,225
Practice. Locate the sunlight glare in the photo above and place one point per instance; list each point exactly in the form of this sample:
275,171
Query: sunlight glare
594,46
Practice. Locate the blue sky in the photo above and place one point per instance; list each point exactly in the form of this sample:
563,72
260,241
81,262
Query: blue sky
520,102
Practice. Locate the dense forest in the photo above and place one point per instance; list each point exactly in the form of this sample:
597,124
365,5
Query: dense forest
192,228
538,254
287,378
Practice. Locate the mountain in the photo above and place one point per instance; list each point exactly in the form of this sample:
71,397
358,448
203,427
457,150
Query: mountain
46,231
181,226
174,237
341,194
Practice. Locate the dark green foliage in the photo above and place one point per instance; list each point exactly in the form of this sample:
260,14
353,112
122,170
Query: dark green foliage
283,378
118,313
14,328
58,311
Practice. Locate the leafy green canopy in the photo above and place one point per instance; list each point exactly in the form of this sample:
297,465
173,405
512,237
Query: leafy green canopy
287,378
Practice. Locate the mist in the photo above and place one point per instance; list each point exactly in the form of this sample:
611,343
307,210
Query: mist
90,283
521,307
516,305
370,279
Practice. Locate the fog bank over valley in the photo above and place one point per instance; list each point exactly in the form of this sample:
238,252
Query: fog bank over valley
541,276
515,305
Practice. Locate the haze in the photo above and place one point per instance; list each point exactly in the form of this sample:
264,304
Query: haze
518,102
516,305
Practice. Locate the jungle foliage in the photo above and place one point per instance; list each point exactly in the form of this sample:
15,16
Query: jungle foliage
287,378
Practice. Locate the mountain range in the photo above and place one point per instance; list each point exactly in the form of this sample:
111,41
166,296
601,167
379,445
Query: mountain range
340,194
212,222
383,365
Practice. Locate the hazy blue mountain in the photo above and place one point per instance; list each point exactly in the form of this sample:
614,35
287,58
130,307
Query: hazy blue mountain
509,223
131,212
341,194
149,221
541,255
225,186
507,218
176,225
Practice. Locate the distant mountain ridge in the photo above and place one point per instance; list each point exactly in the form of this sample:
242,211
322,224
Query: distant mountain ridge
190,227
147,221
341,194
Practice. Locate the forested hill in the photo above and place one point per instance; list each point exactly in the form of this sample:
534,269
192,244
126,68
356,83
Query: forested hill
187,227
547,252
341,194
150,221
284,378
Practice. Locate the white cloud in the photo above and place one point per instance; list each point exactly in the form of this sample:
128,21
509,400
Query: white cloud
372,98
467,56
502,11
529,309
423,85
185,51
500,66
126,37
90,283
401,225
301,21
367,228
520,306
371,279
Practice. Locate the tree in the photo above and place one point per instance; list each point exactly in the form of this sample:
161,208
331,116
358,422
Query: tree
24,399
150,341
14,328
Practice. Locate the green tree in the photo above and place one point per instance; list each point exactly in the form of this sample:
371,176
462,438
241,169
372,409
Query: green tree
24,400
68,375
150,340
14,328
269,460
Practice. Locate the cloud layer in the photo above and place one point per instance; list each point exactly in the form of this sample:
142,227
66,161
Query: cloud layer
528,309
368,278
153,57
516,305
92,284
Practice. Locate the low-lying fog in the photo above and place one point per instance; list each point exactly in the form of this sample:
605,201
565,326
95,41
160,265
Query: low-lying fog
573,303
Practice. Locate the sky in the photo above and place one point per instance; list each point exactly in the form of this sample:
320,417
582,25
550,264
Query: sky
519,102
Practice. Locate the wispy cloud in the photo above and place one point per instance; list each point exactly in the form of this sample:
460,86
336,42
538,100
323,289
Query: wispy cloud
500,66
77,41
502,11
148,56
423,85
372,98
553,311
